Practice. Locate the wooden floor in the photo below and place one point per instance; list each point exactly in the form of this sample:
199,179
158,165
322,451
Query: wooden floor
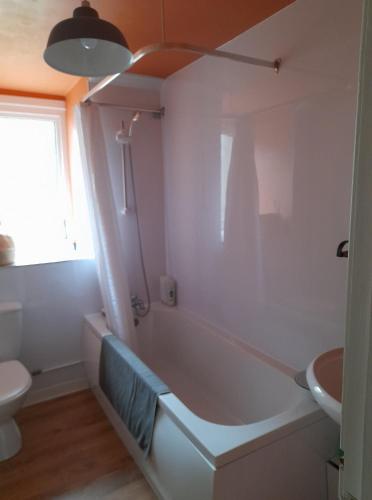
70,452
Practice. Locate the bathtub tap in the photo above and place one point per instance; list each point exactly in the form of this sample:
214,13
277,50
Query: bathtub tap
138,305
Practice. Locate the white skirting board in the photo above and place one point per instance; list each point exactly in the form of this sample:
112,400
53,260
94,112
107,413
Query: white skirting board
57,382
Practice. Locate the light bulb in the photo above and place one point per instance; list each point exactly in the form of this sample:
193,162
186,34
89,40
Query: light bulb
89,43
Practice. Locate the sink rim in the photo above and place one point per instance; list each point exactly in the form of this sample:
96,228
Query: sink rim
326,401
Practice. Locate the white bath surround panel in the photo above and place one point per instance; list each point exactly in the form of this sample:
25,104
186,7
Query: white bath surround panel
258,171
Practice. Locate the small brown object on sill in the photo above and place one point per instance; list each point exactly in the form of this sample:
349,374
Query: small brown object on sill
7,250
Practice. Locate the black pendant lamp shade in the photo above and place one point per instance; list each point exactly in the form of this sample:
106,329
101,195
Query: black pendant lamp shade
86,45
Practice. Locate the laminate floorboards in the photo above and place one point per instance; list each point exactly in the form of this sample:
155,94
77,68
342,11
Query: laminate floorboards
70,452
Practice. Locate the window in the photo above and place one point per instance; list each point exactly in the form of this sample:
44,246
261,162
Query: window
35,202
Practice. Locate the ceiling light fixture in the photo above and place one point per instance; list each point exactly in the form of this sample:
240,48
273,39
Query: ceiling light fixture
88,46
85,45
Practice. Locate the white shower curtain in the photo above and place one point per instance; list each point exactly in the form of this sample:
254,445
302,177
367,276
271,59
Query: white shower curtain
105,223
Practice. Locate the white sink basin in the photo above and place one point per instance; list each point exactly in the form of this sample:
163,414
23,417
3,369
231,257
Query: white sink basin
324,377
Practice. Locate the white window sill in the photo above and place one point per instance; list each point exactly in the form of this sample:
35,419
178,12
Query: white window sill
51,260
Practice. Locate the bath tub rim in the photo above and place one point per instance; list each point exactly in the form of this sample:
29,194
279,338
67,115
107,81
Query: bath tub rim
221,444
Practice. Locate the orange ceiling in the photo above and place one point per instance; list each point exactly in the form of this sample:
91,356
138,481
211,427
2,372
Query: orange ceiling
25,25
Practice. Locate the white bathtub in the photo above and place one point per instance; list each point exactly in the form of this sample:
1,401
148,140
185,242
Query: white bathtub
235,426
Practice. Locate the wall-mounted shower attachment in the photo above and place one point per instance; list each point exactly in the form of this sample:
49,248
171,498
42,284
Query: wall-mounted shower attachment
124,135
124,138
134,119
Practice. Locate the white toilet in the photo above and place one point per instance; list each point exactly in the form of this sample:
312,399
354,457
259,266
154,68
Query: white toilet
15,381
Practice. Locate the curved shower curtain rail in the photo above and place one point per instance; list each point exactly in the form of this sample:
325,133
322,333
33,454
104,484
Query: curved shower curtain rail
184,47
156,112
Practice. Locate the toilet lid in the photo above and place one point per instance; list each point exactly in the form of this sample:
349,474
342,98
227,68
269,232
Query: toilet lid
14,380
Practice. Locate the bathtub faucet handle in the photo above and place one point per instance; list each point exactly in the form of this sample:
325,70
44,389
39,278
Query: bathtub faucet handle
137,304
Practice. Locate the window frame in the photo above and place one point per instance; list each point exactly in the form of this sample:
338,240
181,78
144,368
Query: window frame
55,110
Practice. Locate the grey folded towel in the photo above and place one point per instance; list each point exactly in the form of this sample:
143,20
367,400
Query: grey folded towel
132,389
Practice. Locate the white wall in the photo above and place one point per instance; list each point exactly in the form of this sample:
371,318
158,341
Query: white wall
55,297
258,171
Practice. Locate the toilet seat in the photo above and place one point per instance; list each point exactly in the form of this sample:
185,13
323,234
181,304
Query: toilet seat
14,381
